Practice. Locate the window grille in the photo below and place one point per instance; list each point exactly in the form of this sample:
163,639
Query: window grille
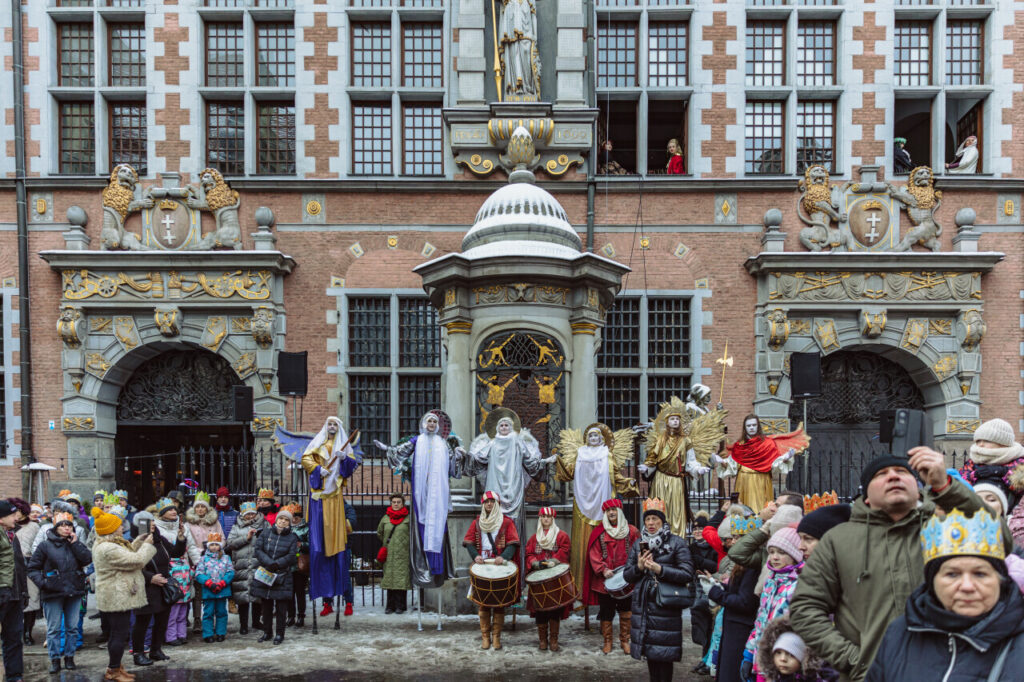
128,135
620,346
275,55
815,134
225,137
225,55
371,153
964,62
661,387
765,148
618,401
369,331
371,54
422,53
666,53
77,138
766,53
913,53
417,394
127,55
275,138
816,53
76,55
419,334
668,333
370,409
616,50
423,139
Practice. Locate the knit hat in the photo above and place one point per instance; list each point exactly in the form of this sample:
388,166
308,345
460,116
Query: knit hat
820,521
997,487
996,431
106,524
6,508
788,541
791,643
614,503
246,508
285,514
223,491
879,463
202,499
37,508
785,515
656,507
164,504
725,528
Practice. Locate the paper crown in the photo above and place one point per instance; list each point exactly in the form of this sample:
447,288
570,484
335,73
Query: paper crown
63,493
118,511
654,504
163,503
71,496
246,507
742,526
265,494
816,501
294,508
100,493
63,516
215,537
958,535
202,498
110,499
121,494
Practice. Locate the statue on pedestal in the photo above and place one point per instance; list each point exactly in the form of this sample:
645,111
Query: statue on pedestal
516,34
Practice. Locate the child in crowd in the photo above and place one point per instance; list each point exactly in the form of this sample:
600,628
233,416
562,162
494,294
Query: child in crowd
215,573
783,657
177,623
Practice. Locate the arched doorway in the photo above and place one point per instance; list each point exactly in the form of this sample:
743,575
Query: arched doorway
856,386
180,399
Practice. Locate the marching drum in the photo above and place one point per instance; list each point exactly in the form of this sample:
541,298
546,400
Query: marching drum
617,586
551,588
494,586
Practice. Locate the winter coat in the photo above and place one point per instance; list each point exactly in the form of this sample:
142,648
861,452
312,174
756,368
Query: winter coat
226,518
930,643
241,548
199,528
740,607
120,584
26,536
536,554
778,590
812,668
181,573
13,574
656,633
57,567
215,568
397,567
276,551
161,563
858,579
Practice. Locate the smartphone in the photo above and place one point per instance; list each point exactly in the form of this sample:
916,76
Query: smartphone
734,497
644,547
144,527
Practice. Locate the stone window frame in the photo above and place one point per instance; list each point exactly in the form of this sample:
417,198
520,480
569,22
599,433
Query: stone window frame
10,449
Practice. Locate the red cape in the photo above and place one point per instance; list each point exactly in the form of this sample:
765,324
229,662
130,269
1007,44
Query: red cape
759,452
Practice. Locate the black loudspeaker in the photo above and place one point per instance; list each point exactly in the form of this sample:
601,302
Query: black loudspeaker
291,373
805,372
242,402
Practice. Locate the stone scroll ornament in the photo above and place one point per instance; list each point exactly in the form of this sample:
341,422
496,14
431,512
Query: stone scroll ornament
818,209
118,202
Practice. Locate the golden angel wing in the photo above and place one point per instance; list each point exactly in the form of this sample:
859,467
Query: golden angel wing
705,433
569,443
622,447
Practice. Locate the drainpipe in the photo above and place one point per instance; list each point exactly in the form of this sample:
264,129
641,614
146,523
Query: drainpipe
592,99
25,349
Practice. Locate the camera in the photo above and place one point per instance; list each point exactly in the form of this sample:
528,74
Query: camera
904,429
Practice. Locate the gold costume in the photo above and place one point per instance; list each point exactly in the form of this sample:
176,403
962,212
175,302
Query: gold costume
335,525
668,485
755,488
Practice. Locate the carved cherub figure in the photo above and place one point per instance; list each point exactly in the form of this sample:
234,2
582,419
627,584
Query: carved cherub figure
819,210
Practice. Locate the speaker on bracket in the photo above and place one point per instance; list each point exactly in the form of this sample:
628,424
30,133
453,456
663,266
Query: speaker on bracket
805,374
242,403
291,373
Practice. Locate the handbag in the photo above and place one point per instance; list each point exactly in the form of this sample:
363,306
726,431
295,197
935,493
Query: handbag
171,592
676,597
382,554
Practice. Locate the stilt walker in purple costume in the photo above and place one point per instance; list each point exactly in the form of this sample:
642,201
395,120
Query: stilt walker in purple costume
329,459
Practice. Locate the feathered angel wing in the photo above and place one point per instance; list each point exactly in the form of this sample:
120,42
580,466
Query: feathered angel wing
292,444
705,432
798,440
569,443
622,447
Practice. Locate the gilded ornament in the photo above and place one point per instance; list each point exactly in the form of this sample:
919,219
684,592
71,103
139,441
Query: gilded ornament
497,353
940,327
777,328
458,327
583,328
118,203
168,205
266,423
915,334
1009,208
392,241
241,325
449,298
69,326
800,327
546,352
262,325
96,364
872,323
921,201
124,331
681,250
217,197
819,210
79,424
250,286
245,365
99,324
827,286
774,426
313,207
825,332
971,329
495,390
546,388
216,330
167,318
945,367
356,250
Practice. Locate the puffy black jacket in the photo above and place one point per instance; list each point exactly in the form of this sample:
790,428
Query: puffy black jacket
741,606
929,643
161,564
57,567
655,633
276,552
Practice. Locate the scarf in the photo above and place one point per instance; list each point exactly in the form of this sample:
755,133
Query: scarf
546,538
397,516
656,540
769,572
617,532
996,455
168,530
491,523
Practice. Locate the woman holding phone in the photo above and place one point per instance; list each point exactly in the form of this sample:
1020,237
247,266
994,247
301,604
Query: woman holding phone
656,632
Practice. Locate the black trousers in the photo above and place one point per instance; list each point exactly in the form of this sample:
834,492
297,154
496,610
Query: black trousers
243,614
547,616
12,624
159,620
297,605
660,671
277,608
119,623
607,605
397,599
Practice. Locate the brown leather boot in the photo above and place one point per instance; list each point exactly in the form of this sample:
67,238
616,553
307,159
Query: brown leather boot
625,617
485,628
606,632
542,634
555,625
497,623
130,676
116,675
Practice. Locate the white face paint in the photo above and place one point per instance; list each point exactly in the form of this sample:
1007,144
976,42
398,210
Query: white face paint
504,427
750,427
673,422
332,427
594,438
431,424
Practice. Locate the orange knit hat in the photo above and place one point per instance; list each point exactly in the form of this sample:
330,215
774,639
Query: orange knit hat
106,524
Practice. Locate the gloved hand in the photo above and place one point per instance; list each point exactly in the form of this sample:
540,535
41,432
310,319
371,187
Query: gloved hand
700,471
707,583
549,460
716,460
746,670
643,469
209,583
221,584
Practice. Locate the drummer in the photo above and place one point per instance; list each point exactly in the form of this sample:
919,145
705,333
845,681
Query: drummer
607,552
492,537
547,548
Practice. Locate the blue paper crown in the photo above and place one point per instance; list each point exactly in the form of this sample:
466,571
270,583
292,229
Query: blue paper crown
121,493
958,535
246,507
742,526
163,503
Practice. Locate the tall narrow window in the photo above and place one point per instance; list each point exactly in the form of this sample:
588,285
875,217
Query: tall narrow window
964,62
422,139
815,135
816,53
128,134
275,55
421,56
419,335
371,54
275,138
369,331
666,53
371,136
765,151
127,55
225,137
913,56
225,55
766,53
616,54
77,138
76,56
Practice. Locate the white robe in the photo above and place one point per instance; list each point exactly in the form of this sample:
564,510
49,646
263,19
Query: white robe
592,482
506,461
967,158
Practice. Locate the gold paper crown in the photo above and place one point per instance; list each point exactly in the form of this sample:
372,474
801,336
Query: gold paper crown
816,501
958,535
265,494
654,504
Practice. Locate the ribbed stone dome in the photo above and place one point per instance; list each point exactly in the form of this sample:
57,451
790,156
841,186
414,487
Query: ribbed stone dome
518,212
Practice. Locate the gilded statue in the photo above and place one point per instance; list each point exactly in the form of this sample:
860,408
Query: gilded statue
819,210
496,391
520,60
216,196
119,201
69,326
921,201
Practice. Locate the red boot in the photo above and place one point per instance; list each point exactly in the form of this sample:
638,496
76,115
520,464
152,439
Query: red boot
328,609
348,609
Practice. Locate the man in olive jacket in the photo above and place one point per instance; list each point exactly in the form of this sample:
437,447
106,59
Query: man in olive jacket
862,571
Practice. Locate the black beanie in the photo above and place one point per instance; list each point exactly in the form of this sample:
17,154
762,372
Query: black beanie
6,508
820,521
879,463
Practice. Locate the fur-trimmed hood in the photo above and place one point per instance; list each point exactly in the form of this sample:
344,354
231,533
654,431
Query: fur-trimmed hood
208,520
812,667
